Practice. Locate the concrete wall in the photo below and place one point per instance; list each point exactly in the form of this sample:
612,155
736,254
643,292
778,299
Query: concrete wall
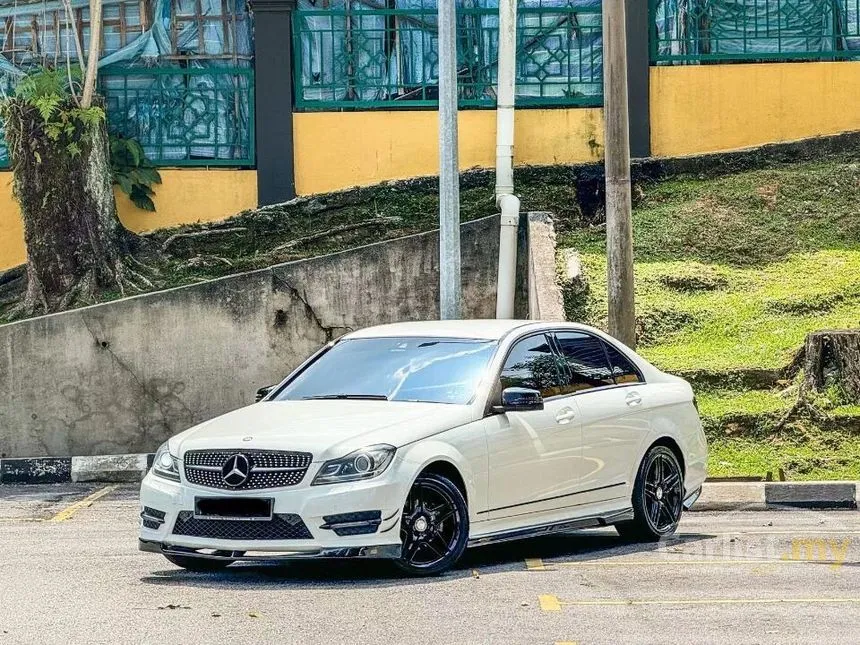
184,197
123,376
697,109
335,150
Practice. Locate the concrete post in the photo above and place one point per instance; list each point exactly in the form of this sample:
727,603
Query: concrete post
273,94
449,171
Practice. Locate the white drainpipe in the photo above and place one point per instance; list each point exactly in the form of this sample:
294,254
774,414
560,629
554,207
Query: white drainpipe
506,201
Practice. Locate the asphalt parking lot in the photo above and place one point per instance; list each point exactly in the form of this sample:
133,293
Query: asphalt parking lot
70,571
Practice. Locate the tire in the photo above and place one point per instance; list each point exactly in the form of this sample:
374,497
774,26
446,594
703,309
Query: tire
202,565
658,498
434,527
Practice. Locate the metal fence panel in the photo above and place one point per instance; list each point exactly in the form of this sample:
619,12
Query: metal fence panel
198,116
360,54
692,31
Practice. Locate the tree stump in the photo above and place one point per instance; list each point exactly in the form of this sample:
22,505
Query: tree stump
832,357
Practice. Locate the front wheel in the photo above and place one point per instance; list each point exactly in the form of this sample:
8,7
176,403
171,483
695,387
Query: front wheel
658,496
434,527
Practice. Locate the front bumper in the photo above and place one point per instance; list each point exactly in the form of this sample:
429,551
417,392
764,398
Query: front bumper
389,551
314,505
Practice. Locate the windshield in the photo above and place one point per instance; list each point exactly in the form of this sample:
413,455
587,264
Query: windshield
433,370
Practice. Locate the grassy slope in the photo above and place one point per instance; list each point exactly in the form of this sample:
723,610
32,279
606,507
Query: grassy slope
732,274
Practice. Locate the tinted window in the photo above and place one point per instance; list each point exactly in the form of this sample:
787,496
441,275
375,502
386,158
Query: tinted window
532,364
586,361
622,368
434,370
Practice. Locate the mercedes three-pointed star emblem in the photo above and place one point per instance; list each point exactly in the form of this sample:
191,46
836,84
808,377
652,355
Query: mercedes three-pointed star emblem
236,470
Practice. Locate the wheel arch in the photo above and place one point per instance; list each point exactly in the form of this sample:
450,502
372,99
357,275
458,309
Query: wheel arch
449,470
671,444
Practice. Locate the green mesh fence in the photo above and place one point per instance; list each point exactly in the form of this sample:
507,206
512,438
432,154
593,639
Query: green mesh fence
355,55
181,116
692,31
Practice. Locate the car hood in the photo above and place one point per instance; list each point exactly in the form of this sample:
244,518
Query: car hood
327,429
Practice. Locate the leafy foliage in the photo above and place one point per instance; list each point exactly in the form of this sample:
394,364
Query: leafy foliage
52,93
133,172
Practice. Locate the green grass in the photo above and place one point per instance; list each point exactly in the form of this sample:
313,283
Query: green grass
828,456
726,403
731,275
758,319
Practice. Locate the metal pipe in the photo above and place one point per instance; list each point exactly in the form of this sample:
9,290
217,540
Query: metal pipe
449,172
505,199
507,281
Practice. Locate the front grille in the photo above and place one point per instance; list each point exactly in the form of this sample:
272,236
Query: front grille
269,468
282,526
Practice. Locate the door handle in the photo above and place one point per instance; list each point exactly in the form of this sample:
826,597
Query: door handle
633,399
565,416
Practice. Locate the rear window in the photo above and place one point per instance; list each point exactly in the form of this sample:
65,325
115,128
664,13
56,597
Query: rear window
622,368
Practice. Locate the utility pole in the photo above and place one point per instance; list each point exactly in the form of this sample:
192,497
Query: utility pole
619,229
449,170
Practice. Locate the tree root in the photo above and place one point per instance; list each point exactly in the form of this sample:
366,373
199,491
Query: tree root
343,228
215,231
803,404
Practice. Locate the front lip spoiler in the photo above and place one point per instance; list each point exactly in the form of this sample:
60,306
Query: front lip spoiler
385,552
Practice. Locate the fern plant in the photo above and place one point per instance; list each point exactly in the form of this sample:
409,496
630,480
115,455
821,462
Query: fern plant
53,94
133,172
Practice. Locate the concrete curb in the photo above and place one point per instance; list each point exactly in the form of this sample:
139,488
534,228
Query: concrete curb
57,470
759,496
716,496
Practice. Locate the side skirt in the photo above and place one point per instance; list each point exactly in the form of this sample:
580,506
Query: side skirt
555,527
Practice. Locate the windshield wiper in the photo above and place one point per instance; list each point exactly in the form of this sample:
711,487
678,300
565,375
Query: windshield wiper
358,397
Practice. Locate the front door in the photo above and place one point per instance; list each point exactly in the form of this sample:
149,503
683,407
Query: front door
534,457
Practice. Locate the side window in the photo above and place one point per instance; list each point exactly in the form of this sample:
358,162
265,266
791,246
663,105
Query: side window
622,368
533,364
586,361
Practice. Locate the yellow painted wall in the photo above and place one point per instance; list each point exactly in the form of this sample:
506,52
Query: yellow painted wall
335,150
184,197
711,108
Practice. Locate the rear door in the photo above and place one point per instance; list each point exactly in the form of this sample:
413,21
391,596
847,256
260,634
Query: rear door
533,456
611,401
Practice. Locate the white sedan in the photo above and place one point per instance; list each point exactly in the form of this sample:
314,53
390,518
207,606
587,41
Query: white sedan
416,440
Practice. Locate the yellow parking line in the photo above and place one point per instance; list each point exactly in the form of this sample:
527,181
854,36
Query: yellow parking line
675,562
535,564
552,603
549,603
69,512
707,534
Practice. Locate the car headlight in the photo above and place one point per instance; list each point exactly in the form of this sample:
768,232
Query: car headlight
165,465
361,464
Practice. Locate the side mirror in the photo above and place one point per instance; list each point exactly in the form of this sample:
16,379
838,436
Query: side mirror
519,399
263,392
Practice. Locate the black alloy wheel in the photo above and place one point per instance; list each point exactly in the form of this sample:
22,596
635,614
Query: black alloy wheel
434,528
658,497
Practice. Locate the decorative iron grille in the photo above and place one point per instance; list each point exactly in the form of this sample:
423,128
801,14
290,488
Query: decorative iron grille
184,116
693,31
365,54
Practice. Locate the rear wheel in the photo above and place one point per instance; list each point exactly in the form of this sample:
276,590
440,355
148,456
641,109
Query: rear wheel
434,528
658,497
198,564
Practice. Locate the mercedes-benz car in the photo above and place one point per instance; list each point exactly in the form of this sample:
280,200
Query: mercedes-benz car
414,441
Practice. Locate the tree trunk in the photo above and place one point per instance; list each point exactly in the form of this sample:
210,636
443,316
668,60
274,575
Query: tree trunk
75,241
832,358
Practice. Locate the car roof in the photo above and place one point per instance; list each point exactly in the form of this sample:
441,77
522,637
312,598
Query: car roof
479,329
